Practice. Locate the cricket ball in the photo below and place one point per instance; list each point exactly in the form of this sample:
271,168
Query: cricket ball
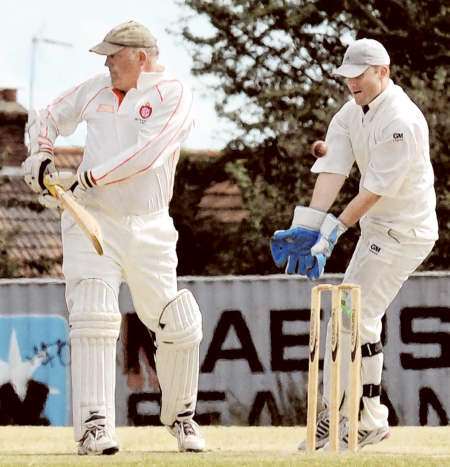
319,148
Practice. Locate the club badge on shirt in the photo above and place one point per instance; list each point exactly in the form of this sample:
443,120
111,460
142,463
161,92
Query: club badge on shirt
145,111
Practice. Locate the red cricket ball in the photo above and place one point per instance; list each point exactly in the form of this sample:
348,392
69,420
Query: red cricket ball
319,148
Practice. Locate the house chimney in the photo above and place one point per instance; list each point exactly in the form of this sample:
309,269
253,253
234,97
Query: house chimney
13,118
8,95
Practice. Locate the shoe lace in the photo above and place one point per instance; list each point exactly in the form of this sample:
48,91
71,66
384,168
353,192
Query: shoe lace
95,426
187,428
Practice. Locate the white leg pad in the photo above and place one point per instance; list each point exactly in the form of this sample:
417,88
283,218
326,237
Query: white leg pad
178,339
94,330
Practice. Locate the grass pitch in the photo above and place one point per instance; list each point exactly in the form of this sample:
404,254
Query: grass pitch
243,446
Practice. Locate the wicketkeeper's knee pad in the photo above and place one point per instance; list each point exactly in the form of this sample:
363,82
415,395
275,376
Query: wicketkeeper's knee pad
178,339
94,329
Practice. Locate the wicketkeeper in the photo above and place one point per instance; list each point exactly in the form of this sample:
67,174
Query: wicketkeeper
137,117
385,133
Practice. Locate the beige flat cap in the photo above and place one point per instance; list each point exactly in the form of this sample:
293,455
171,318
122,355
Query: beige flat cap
129,34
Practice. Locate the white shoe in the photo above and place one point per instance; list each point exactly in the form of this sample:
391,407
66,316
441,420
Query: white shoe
96,439
366,437
323,430
188,436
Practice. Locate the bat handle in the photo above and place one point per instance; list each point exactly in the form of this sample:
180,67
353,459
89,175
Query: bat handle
51,187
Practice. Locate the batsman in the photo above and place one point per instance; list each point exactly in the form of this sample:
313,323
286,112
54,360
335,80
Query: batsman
137,117
384,132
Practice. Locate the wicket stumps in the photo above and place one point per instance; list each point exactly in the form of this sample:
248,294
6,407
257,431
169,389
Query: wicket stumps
355,365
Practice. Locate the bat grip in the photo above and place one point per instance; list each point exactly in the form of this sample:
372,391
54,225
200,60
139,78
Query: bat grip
54,190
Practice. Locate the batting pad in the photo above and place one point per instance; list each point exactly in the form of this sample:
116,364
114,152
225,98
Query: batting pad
177,357
94,330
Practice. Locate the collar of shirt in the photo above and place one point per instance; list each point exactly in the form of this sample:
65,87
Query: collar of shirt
148,79
373,106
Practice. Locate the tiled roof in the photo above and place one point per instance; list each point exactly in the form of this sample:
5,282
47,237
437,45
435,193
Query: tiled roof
68,157
34,232
36,235
223,201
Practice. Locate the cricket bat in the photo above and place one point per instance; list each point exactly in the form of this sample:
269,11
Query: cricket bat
80,215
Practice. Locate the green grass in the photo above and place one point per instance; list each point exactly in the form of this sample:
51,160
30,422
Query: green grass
242,446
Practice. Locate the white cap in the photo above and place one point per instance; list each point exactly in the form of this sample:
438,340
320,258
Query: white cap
360,55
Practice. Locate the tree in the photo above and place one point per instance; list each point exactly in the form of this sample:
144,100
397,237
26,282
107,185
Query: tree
273,63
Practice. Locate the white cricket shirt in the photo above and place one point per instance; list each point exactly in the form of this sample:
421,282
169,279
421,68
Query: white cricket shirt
390,144
132,145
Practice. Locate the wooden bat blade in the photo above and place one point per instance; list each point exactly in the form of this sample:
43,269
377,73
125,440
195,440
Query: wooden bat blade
84,219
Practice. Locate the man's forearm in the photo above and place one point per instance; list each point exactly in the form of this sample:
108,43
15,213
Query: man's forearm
326,189
358,206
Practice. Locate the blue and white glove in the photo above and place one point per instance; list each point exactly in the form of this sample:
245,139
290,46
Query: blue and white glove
330,231
292,247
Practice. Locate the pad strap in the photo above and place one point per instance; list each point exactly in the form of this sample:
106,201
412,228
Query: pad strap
371,390
369,350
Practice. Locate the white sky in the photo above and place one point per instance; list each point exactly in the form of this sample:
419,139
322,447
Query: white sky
84,23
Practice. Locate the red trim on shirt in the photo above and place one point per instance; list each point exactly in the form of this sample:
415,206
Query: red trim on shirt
67,94
90,100
54,103
149,142
159,92
156,158
92,177
54,123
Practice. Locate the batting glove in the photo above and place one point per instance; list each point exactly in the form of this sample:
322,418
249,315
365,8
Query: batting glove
34,169
68,181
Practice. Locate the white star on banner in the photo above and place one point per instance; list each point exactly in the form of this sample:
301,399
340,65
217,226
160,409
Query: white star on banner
17,371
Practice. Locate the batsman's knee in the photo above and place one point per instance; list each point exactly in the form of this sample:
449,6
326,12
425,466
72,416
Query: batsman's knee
180,323
94,310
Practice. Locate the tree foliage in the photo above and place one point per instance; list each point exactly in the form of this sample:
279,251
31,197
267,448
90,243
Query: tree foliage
273,63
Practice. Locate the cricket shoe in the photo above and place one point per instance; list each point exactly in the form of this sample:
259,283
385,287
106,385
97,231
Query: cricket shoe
366,437
96,439
188,436
323,430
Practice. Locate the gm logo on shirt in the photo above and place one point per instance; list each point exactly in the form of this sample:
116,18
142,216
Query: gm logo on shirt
375,249
398,137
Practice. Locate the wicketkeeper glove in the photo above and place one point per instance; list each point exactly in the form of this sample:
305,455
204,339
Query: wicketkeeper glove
330,231
292,247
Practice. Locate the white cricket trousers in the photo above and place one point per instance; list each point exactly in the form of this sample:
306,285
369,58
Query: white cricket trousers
382,261
140,250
